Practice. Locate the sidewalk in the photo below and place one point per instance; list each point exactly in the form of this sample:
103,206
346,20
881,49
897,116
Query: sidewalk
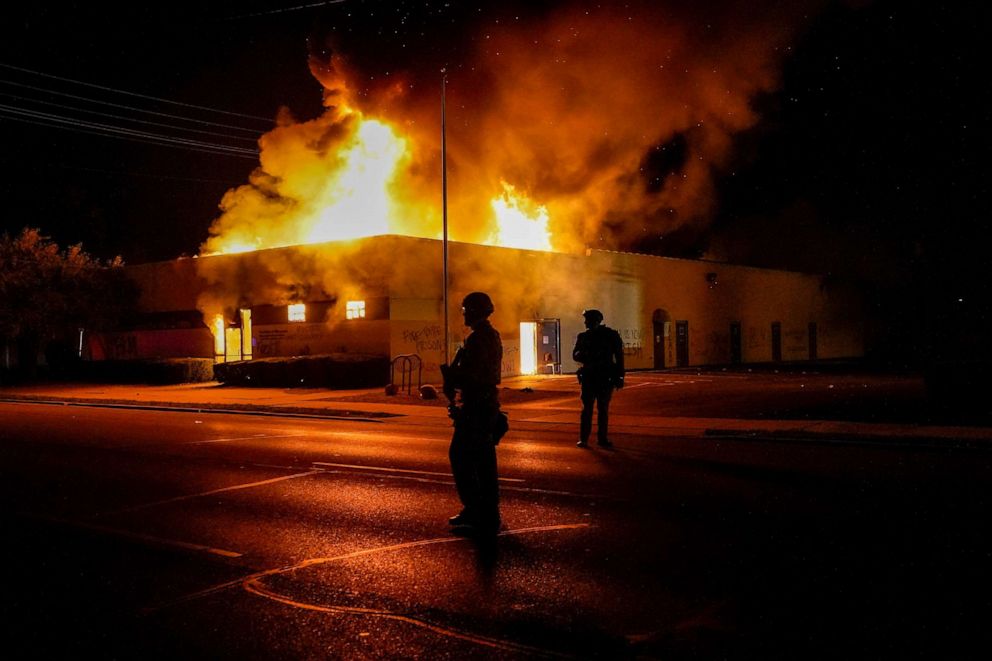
546,407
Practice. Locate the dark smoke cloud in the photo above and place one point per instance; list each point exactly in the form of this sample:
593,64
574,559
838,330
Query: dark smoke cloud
615,117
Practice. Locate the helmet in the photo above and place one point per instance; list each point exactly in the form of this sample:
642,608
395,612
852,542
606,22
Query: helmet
593,315
478,302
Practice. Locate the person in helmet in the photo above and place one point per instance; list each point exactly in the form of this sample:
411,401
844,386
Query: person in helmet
600,351
472,386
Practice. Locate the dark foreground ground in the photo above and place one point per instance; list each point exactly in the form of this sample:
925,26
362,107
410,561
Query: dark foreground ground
163,533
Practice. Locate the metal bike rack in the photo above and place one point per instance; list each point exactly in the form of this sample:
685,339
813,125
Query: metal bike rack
407,362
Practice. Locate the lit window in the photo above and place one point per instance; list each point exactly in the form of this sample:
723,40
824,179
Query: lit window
354,310
298,312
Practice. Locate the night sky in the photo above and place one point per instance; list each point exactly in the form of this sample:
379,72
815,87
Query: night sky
869,158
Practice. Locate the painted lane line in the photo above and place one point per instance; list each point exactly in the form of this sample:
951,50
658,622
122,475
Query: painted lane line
253,584
236,487
256,437
255,587
387,469
128,534
449,482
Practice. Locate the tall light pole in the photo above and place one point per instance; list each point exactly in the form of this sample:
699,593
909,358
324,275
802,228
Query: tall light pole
444,213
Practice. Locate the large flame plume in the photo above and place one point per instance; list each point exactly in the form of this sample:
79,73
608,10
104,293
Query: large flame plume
593,126
347,175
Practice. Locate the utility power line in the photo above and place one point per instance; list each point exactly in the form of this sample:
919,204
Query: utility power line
134,94
55,121
127,119
72,117
287,9
118,105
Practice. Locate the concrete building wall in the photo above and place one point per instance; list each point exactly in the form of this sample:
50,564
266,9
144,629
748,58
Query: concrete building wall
129,345
404,275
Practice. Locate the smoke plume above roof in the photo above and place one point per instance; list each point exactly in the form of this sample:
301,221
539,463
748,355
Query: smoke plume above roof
612,118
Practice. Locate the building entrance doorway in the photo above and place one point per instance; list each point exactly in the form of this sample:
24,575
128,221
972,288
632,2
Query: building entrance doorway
736,353
540,347
549,346
681,343
662,338
232,341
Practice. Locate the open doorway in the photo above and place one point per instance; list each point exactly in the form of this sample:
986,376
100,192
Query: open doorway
540,346
232,341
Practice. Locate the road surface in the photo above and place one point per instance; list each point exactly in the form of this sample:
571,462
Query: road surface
175,534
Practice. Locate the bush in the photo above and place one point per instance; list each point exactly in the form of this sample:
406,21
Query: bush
159,371
341,371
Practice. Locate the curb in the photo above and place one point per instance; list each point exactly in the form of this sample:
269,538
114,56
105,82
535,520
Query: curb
251,409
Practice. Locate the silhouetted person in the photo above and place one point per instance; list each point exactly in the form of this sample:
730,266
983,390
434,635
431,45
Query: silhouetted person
600,350
474,376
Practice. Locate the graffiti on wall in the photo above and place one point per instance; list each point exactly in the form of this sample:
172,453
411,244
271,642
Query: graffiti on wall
633,342
427,338
427,342
270,342
511,358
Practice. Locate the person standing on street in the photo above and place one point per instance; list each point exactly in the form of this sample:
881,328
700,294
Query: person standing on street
474,377
600,351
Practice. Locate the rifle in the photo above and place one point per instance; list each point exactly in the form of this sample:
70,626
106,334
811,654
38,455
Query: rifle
449,377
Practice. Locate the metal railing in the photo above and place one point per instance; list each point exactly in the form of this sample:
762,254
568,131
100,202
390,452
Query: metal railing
407,362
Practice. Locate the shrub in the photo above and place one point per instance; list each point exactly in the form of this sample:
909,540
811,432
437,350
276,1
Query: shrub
341,371
157,371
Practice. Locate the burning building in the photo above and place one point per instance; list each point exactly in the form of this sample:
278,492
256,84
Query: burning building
382,296
608,135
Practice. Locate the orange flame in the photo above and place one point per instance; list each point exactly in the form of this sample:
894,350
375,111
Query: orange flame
520,223
356,186
592,126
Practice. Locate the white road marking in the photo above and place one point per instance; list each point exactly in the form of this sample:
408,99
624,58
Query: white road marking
253,584
450,482
387,469
242,438
236,487
353,554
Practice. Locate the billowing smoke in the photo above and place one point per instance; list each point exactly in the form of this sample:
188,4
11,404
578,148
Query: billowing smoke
611,119
614,118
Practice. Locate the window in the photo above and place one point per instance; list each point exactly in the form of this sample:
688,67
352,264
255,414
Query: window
354,310
298,312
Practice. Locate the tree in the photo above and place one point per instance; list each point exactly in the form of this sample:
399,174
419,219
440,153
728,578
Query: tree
47,294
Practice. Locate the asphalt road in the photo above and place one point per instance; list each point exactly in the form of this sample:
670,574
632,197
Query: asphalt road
167,534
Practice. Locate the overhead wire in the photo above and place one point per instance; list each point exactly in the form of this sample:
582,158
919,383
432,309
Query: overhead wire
47,119
127,119
119,105
134,94
286,9
175,136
